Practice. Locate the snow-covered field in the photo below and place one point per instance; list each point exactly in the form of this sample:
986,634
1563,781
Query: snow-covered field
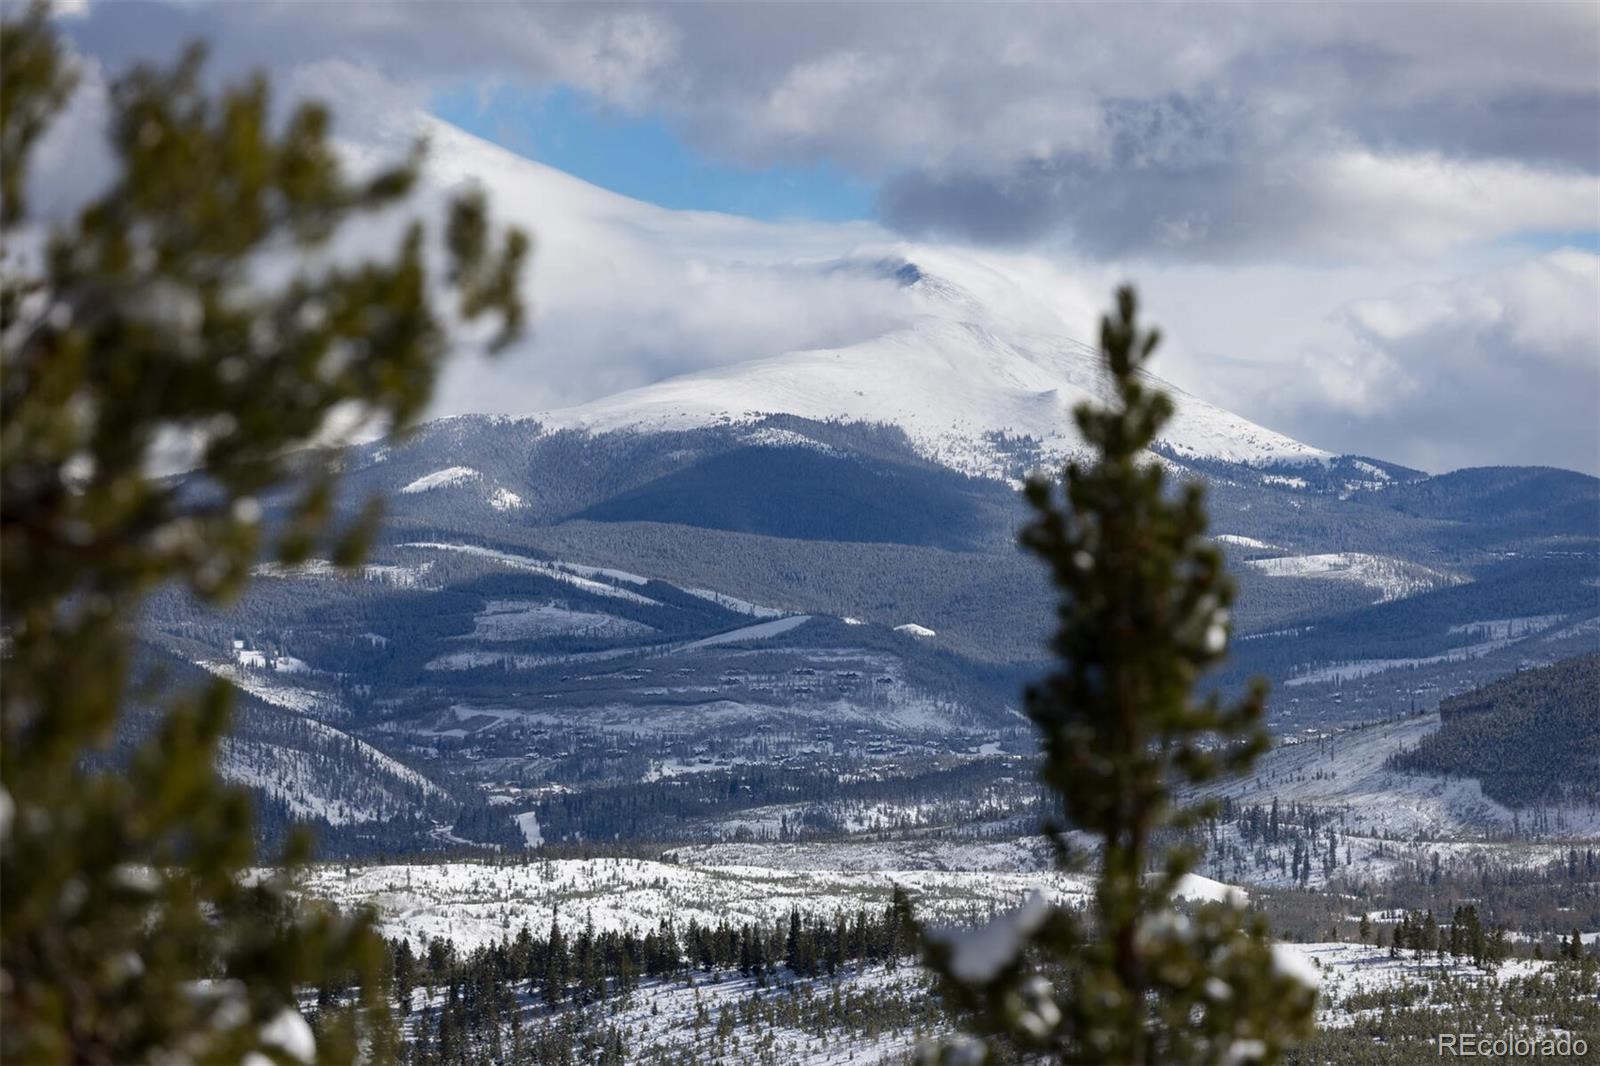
500,498
1391,579
661,1018
439,479
267,688
1387,820
1345,772
565,572
759,631
477,903
1236,540
1495,635
528,619
1348,969
733,603
383,574
1013,855
300,778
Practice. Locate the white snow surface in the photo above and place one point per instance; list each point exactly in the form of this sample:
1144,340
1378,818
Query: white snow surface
1290,961
959,373
269,689
528,823
978,955
439,479
478,904
1498,633
290,1033
1199,889
381,573
1344,969
1392,579
950,343
528,619
911,629
759,631
1028,854
569,573
503,499
1388,817
733,603
603,572
771,437
1239,541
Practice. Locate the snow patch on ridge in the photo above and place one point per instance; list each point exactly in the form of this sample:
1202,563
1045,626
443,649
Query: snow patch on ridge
759,631
1392,579
733,603
453,475
1238,541
568,573
505,500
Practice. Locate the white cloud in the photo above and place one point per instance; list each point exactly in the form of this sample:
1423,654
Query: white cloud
812,97
1543,309
1204,132
625,293
1263,178
1424,204
1497,367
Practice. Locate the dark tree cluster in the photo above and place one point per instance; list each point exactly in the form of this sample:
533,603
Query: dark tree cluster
1532,738
530,999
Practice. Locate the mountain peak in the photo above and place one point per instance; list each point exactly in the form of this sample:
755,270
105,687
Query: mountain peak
971,354
959,377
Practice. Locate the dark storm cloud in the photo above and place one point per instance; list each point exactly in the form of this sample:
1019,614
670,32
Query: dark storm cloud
1550,129
1172,174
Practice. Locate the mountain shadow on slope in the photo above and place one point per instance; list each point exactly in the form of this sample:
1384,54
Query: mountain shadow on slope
803,493
1531,738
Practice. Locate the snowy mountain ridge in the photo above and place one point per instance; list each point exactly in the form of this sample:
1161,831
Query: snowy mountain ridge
959,378
975,355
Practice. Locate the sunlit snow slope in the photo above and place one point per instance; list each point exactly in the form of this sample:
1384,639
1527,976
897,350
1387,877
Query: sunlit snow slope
959,348
956,378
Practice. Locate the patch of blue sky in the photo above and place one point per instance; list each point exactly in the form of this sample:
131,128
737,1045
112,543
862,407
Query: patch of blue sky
1587,240
642,157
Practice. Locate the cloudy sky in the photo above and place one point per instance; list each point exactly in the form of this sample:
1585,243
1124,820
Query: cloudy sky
1373,227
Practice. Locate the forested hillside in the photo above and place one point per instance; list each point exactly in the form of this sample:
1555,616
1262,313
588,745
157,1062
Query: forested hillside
1530,738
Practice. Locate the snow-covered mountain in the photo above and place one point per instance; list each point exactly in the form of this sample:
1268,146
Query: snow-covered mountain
683,319
962,378
761,549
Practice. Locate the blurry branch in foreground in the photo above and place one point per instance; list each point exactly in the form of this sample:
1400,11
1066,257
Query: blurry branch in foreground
147,322
1143,611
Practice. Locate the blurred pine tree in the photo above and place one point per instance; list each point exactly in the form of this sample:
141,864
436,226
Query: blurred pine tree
1143,611
128,931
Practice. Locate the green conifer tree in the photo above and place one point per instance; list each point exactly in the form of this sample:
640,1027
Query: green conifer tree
126,931
557,967
1143,611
